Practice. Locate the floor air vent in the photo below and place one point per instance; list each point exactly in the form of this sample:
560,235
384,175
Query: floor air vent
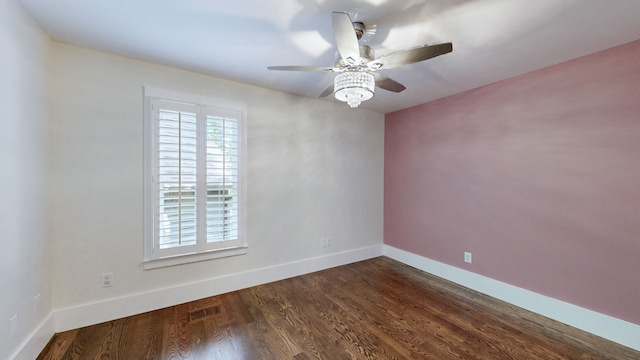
203,313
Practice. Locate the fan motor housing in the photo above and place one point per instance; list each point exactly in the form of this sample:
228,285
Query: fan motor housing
366,52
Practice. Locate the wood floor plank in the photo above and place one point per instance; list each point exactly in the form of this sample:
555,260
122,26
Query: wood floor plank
375,309
363,314
58,346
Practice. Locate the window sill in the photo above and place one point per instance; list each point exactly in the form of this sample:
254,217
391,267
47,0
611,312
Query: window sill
191,258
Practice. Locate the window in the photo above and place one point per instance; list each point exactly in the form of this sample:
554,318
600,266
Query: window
194,175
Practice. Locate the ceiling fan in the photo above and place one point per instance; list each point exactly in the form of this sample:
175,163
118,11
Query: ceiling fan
357,64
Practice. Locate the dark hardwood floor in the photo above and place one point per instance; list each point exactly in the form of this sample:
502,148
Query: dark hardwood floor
375,309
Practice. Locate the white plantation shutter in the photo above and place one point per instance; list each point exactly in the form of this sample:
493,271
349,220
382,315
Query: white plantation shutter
196,178
176,175
222,178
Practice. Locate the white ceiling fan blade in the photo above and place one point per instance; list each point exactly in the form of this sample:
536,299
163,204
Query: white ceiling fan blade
346,39
303,68
328,91
410,56
388,84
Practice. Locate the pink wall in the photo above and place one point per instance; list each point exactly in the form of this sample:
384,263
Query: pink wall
538,176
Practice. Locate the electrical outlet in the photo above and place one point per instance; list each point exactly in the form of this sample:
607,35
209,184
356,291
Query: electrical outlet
325,242
13,326
107,279
467,257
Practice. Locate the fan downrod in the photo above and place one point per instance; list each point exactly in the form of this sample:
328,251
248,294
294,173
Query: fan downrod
359,28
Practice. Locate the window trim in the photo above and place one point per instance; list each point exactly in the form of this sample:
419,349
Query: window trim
150,261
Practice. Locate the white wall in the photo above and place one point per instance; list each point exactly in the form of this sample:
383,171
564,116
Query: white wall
24,258
315,170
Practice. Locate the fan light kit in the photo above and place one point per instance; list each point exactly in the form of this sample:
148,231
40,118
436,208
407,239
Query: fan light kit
354,87
356,78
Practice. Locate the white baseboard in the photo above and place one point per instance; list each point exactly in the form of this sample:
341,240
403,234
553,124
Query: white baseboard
616,330
619,331
94,313
36,341
110,309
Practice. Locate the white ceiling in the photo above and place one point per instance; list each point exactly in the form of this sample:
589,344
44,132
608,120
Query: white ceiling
237,40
